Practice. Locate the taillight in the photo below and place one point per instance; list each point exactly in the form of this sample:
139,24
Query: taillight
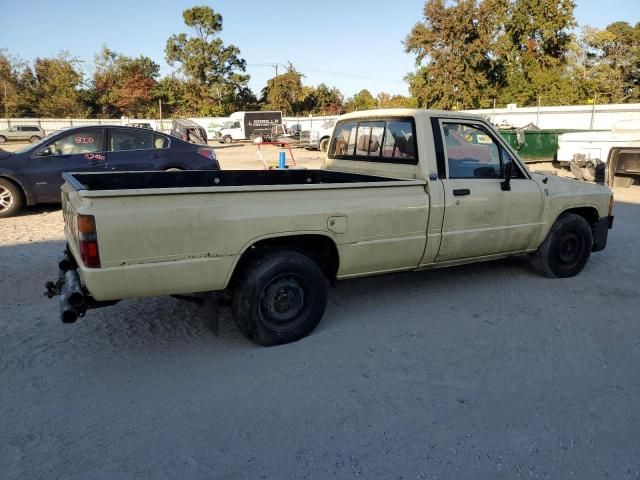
88,238
207,153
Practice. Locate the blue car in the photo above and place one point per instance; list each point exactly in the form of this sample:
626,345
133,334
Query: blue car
34,174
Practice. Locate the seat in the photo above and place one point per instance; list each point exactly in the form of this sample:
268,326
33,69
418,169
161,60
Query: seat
367,145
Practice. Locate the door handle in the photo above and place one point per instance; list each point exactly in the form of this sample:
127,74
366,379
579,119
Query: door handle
155,155
461,191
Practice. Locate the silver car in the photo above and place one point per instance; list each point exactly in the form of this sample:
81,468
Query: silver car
32,133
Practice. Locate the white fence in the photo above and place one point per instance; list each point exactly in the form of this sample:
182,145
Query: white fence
579,117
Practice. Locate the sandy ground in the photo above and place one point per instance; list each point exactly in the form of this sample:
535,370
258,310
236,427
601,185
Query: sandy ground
485,371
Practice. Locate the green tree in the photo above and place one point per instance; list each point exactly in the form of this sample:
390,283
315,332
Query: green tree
215,70
363,100
395,101
57,88
12,94
284,92
535,58
456,48
329,100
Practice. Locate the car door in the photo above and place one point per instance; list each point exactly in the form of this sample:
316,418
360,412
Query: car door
481,218
79,150
14,133
135,149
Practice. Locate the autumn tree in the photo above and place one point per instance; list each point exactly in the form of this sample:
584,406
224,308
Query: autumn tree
12,85
329,100
213,70
125,85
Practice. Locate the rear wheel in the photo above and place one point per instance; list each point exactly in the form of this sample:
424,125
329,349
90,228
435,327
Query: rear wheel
10,199
565,251
34,139
281,298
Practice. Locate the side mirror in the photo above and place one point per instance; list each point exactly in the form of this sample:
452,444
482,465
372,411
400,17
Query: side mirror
506,183
45,152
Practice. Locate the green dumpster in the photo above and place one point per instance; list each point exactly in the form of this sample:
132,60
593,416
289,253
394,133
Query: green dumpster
534,145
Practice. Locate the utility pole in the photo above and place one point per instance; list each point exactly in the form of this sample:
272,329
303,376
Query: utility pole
160,110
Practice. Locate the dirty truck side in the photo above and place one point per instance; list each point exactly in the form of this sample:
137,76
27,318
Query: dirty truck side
399,190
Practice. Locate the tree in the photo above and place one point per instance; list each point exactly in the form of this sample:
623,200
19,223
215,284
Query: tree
57,87
10,85
329,100
125,85
284,92
455,47
363,100
396,101
539,38
215,70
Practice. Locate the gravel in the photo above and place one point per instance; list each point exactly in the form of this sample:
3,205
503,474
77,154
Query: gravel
482,371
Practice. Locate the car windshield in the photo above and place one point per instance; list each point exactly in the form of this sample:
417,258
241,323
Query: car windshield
33,146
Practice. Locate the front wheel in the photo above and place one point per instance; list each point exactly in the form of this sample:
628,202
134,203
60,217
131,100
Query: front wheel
324,144
227,140
280,298
565,251
10,199
2,139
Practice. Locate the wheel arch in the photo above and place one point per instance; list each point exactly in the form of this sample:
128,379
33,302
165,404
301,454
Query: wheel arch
319,247
25,196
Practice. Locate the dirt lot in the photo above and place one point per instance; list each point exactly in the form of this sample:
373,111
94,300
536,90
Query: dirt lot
485,371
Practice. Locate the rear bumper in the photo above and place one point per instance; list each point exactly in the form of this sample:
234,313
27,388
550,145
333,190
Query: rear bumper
601,233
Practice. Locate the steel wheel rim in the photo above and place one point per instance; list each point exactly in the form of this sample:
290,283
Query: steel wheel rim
6,199
285,301
570,247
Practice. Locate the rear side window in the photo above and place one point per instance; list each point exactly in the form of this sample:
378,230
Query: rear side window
160,141
124,140
377,140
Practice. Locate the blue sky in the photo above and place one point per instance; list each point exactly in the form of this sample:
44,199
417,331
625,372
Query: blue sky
350,44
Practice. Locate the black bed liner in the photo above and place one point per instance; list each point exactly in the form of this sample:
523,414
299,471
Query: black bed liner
211,178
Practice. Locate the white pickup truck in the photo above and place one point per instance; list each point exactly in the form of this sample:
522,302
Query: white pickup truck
400,190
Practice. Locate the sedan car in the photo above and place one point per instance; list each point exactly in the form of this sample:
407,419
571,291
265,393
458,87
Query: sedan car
34,174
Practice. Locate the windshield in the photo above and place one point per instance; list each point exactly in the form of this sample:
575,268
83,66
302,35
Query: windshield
33,146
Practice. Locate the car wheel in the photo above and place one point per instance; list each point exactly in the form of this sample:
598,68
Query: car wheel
10,198
280,298
173,169
227,139
324,144
34,139
565,251
2,139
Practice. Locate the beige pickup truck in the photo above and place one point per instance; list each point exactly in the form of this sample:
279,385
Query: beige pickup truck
399,190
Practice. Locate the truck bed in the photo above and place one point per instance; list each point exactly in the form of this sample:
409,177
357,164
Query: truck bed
196,179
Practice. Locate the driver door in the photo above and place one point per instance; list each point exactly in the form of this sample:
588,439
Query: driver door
82,150
482,219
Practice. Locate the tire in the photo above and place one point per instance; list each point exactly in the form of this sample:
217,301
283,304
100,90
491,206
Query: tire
589,172
2,139
622,182
34,139
10,198
565,251
324,144
227,139
280,298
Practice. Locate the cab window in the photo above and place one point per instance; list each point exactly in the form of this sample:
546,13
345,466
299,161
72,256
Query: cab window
380,140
